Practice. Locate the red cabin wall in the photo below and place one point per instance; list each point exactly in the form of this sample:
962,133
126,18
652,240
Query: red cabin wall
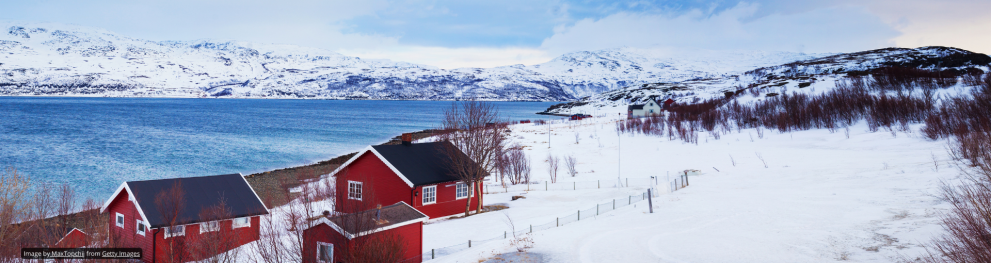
411,234
379,185
382,186
244,235
127,237
447,203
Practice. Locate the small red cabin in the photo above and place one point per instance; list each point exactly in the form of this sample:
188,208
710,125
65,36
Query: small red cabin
418,174
75,238
397,229
184,219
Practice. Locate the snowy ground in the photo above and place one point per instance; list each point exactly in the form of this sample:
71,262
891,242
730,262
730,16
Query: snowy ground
823,197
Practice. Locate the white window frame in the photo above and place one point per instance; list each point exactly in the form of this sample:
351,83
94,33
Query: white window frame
433,195
235,224
169,233
457,190
209,226
137,227
352,185
120,220
319,244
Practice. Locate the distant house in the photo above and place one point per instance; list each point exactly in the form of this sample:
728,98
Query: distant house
643,110
329,237
418,174
74,238
137,220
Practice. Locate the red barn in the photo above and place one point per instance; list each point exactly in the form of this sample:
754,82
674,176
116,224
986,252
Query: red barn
417,174
75,238
397,228
184,219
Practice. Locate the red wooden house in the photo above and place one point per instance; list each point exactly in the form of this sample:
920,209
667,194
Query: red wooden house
417,174
143,214
330,238
75,238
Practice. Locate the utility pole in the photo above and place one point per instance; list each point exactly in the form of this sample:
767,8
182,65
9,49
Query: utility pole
619,160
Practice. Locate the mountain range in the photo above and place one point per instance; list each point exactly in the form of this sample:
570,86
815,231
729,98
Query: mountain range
67,60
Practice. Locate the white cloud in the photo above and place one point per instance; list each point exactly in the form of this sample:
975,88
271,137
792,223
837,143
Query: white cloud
956,23
835,29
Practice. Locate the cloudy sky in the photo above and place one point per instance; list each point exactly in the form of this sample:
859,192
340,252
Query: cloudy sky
476,33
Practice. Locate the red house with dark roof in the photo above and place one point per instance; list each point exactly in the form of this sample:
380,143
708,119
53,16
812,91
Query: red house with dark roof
418,174
142,216
332,238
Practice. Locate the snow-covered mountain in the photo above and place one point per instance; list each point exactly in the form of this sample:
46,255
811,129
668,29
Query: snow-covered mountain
780,78
64,60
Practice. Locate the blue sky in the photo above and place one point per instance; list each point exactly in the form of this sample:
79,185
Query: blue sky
492,33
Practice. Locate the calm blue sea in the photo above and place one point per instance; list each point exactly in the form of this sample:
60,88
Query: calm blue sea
97,143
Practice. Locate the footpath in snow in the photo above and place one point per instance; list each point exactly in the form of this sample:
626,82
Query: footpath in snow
807,196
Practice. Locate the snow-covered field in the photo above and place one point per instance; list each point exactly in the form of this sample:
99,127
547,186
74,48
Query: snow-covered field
823,197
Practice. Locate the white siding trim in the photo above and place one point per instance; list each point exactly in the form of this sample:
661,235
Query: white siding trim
130,197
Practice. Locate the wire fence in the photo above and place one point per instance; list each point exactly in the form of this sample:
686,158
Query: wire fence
572,186
679,182
578,215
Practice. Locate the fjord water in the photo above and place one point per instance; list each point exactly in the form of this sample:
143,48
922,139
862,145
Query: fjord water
97,143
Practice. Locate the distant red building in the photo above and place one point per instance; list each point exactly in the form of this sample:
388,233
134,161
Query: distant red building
418,174
75,238
330,238
137,220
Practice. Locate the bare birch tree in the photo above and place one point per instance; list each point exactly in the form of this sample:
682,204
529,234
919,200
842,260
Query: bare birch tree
14,208
475,137
553,162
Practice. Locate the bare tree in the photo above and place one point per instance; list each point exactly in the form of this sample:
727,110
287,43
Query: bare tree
171,202
553,162
215,243
65,203
570,162
14,208
517,165
476,138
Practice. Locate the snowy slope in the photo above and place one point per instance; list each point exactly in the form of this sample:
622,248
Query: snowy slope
823,197
822,71
64,60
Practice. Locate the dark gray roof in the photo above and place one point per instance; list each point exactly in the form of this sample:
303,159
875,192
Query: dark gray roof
636,107
200,193
397,213
421,163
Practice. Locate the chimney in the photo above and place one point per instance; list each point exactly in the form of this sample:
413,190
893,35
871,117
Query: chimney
407,139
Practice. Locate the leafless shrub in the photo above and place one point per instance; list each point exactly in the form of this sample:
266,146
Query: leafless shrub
216,243
553,162
569,163
761,157
517,165
522,243
14,208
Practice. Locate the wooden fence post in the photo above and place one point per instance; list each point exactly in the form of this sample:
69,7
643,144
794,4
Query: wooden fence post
650,201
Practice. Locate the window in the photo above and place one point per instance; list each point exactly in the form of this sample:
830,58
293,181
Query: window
462,189
141,227
120,220
209,226
429,194
354,190
175,231
325,252
242,222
